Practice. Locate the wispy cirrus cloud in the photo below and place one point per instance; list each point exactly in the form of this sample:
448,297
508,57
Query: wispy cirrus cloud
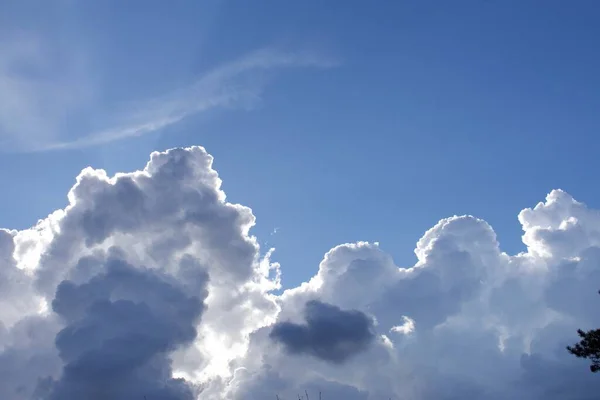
236,84
67,84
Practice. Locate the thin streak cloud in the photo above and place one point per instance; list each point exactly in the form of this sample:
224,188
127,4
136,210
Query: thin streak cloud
236,84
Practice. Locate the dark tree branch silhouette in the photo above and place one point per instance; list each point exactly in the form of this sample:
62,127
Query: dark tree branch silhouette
588,347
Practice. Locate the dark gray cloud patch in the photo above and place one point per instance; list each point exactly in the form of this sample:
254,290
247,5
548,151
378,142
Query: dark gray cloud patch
330,333
121,327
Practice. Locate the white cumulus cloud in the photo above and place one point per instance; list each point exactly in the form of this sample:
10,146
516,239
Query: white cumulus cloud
150,283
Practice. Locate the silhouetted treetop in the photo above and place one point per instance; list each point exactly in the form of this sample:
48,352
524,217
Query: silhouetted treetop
588,347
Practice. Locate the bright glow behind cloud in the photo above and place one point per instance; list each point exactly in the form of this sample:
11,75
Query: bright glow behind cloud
162,248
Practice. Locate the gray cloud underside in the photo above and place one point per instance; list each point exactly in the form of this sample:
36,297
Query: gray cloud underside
329,333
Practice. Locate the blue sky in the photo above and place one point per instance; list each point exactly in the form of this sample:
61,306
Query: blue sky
334,123
340,124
